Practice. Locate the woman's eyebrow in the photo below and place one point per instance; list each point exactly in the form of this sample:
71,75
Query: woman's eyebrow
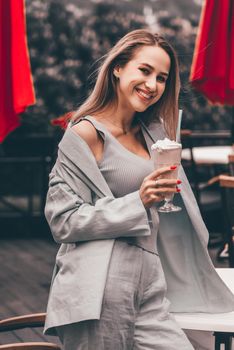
152,68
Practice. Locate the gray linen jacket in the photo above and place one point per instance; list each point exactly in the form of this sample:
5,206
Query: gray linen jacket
85,218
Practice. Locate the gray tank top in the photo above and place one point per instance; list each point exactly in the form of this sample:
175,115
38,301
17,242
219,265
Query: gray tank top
124,172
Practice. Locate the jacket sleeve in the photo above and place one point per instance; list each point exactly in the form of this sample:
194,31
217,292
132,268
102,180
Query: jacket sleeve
71,219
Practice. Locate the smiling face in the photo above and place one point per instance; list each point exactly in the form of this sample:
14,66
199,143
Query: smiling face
142,81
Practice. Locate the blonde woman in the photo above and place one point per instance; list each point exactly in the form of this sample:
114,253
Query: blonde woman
108,290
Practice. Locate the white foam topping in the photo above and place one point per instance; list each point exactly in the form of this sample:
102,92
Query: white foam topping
165,144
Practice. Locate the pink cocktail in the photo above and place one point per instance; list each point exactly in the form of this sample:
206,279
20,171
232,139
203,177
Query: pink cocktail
167,153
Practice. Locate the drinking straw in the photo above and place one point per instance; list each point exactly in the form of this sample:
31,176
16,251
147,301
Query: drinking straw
179,125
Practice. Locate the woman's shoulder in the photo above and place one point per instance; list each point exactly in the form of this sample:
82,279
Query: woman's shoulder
86,130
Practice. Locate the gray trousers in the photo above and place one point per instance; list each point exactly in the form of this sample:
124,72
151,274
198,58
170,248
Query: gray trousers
135,311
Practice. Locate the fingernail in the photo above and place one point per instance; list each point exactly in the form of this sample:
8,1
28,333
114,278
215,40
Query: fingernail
178,190
173,167
178,182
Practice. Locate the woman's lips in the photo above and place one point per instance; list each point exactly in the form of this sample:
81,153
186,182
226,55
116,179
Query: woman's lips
144,95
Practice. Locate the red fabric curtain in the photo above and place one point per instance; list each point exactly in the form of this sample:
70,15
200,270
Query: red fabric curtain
212,70
16,85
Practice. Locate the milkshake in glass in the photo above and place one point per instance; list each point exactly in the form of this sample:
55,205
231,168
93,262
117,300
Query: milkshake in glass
167,153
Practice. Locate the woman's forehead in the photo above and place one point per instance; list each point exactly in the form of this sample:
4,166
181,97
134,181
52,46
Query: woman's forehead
153,56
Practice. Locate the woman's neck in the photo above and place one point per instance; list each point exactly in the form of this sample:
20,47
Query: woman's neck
117,116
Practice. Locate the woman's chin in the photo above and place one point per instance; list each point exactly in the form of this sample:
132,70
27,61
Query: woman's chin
141,108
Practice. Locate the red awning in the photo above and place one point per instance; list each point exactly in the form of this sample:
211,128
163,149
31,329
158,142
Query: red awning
16,85
212,70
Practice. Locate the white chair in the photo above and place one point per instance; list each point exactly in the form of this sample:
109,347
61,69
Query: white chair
222,324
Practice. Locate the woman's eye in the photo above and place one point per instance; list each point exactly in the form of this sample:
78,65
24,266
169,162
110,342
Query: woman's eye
144,70
161,79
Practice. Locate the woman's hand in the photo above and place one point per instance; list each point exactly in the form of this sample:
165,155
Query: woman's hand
156,186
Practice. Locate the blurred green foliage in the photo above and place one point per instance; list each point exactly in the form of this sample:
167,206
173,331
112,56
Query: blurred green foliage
66,40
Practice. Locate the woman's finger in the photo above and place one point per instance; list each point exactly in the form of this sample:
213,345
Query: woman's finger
159,172
164,190
162,182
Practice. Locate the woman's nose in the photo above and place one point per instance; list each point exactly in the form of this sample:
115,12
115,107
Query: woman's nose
151,84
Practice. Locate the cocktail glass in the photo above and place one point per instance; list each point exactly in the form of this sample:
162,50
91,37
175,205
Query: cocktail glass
164,157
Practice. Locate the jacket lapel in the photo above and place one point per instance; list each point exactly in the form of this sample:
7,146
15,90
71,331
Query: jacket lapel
149,138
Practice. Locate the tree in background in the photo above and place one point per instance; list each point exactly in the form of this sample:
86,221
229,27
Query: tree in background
65,39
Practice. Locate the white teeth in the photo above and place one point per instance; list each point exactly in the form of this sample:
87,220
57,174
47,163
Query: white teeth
144,94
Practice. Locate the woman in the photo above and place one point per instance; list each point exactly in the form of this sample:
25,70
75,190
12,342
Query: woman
109,290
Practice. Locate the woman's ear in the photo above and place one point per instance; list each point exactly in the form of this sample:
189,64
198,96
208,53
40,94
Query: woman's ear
116,71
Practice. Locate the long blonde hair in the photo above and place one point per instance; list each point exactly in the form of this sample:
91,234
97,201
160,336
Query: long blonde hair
104,92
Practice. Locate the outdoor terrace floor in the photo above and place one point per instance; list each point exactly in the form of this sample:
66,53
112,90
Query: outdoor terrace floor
25,273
